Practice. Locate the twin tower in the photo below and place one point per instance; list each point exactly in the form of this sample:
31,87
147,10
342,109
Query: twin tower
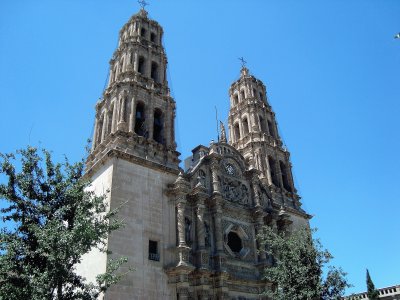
189,234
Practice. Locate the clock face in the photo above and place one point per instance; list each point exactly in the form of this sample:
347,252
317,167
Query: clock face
230,169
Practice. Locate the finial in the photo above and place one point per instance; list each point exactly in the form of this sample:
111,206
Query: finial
243,62
143,3
223,133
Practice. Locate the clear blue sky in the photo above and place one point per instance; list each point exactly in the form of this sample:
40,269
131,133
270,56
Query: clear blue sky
332,73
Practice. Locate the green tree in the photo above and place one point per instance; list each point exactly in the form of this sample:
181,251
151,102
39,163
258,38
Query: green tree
50,219
372,293
297,267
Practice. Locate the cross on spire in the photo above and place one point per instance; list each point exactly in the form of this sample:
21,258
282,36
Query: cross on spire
143,3
243,62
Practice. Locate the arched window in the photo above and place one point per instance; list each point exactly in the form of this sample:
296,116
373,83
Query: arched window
262,125
237,132
235,99
153,37
261,96
139,120
242,95
245,126
285,179
254,93
272,171
158,127
271,129
154,71
141,65
143,32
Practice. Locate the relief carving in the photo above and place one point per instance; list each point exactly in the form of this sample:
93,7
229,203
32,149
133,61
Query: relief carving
235,191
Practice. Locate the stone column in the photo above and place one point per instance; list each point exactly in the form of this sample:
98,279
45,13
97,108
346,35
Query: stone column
218,228
200,226
257,200
180,219
214,174
103,129
122,104
94,142
136,61
268,171
132,115
114,116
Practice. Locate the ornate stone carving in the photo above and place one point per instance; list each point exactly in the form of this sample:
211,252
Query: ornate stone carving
235,191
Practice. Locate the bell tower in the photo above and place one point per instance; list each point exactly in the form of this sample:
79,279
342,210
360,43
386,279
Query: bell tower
254,132
136,114
134,160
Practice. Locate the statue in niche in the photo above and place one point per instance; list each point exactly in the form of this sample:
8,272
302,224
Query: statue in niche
265,200
207,237
188,227
202,178
245,195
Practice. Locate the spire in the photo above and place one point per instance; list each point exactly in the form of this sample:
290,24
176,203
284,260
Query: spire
223,133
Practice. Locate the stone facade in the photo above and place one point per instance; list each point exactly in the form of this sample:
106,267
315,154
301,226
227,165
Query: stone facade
190,234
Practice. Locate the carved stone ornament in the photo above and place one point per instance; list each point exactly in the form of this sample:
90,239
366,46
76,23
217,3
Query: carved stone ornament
235,191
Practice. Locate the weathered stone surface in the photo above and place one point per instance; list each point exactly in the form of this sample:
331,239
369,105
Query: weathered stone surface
192,234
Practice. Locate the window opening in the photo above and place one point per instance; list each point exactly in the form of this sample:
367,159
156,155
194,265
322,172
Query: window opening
153,251
285,179
262,125
141,65
245,127
272,171
154,71
158,127
242,94
234,242
237,132
140,120
235,99
271,129
143,32
153,37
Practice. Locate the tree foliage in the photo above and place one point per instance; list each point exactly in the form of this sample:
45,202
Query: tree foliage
372,293
298,262
51,218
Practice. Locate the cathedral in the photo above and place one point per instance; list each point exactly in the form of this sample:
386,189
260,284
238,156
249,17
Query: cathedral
190,233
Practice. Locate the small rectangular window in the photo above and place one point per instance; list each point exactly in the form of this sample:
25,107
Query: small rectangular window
153,251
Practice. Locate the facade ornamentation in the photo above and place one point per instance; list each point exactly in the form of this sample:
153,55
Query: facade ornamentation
192,231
